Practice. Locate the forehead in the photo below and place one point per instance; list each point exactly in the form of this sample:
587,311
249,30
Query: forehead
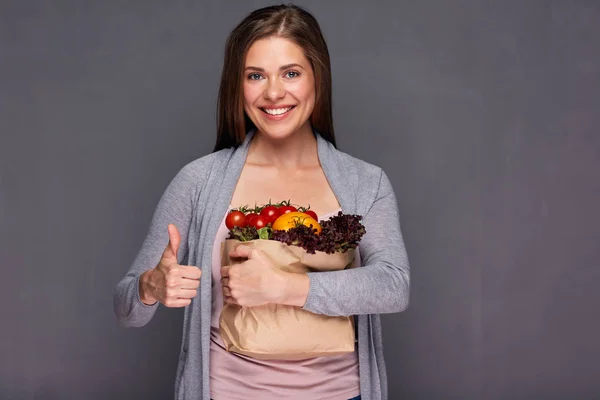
273,52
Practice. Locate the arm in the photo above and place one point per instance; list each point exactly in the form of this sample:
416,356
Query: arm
382,284
174,207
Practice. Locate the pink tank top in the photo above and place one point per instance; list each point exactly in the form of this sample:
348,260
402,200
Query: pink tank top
237,377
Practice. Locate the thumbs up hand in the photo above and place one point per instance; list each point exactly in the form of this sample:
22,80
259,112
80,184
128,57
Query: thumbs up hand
172,284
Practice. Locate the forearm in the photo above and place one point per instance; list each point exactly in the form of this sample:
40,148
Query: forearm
132,304
382,283
372,289
128,307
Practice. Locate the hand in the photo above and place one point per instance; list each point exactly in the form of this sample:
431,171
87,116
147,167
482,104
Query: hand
172,284
254,282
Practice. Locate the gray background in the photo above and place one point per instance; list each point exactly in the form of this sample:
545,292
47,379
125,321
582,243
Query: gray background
485,115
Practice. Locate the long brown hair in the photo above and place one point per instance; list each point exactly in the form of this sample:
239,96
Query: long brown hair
286,21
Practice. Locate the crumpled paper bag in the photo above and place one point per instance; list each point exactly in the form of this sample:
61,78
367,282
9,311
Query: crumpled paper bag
282,332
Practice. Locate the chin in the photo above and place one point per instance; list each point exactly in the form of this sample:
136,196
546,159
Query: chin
274,132
277,131
277,134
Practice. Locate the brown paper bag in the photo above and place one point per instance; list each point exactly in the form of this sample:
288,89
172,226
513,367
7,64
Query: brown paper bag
275,331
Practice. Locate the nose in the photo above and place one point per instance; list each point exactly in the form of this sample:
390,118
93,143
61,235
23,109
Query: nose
274,90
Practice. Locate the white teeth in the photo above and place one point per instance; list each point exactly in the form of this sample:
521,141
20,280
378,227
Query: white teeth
277,111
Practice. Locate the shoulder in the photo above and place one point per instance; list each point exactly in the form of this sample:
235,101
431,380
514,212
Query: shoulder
368,182
361,167
195,173
364,174
200,168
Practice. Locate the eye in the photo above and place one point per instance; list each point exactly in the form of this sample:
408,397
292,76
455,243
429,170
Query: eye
254,76
292,74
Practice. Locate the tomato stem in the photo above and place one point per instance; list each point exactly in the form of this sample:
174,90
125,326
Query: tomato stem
257,209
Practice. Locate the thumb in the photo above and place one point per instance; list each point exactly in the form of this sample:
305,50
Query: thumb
174,239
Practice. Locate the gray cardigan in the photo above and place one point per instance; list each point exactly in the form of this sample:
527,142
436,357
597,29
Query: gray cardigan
197,199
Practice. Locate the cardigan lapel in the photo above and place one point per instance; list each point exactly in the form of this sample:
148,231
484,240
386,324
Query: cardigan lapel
332,164
229,170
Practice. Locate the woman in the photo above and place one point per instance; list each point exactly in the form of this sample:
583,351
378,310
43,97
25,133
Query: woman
275,141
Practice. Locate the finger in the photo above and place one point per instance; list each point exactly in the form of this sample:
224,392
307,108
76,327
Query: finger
225,282
226,291
190,272
187,293
229,300
225,271
190,283
242,252
173,245
177,303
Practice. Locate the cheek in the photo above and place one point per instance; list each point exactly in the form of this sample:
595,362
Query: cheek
304,92
251,92
308,96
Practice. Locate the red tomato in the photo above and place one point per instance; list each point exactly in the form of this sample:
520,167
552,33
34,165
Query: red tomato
312,214
287,209
250,217
235,218
259,221
271,213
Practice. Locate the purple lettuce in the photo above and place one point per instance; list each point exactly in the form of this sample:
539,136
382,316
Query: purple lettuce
341,233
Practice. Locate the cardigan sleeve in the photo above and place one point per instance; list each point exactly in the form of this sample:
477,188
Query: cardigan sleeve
381,284
174,207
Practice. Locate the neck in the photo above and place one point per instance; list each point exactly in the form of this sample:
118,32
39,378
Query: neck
296,151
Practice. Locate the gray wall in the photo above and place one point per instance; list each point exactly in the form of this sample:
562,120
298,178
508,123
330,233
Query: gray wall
483,113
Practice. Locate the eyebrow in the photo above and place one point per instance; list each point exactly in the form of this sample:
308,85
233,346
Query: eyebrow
287,66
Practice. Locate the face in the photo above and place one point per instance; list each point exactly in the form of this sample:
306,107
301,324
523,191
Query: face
279,87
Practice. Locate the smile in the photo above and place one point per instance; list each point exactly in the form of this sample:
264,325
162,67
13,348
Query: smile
276,111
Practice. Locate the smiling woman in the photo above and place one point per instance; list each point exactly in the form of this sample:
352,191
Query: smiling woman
280,54
279,87
275,140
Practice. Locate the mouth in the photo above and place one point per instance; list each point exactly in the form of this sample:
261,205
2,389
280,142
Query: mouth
277,111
